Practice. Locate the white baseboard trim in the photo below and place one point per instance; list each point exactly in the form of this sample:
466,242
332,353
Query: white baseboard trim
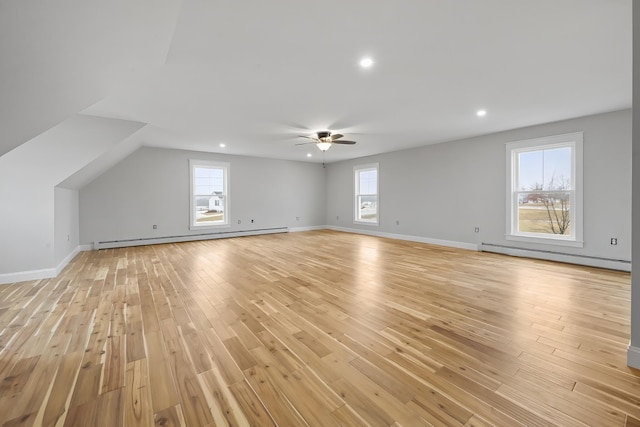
449,243
591,261
633,357
309,228
44,273
24,276
67,260
186,238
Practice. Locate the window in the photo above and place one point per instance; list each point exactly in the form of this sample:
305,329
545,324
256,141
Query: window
209,195
544,190
366,194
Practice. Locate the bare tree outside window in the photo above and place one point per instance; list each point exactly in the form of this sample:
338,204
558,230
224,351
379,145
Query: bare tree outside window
556,199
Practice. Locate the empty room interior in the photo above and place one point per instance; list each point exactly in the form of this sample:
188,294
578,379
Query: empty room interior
319,213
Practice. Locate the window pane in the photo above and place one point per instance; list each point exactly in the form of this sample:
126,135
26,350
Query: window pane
544,201
547,169
368,180
209,209
209,198
557,169
366,194
208,180
367,208
531,173
545,212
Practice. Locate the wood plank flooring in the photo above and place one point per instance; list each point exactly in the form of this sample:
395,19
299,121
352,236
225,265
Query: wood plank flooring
317,328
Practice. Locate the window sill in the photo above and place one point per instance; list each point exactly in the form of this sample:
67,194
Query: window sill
208,226
545,240
374,224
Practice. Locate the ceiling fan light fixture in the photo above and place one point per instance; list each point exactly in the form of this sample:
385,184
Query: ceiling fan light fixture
323,146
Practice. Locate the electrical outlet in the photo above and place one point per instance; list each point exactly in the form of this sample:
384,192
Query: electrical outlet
251,221
614,241
337,217
239,221
155,226
297,218
477,229
397,222
68,237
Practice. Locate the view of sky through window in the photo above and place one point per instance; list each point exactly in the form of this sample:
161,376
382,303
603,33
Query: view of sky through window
208,180
368,181
541,167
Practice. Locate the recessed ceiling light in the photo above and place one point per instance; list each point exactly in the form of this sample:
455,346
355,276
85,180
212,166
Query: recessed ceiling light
366,62
222,145
481,113
309,154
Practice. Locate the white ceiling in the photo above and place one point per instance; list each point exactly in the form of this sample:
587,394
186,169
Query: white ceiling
255,74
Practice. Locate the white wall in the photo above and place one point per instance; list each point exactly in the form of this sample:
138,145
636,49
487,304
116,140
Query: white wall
151,186
66,223
443,191
28,175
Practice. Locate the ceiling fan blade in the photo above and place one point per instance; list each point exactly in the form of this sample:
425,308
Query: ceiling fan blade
344,142
305,143
336,136
308,137
297,127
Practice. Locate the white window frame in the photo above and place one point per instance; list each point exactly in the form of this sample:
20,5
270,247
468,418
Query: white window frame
573,140
356,192
193,164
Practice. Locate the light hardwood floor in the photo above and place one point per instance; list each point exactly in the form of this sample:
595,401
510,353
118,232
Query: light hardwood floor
318,328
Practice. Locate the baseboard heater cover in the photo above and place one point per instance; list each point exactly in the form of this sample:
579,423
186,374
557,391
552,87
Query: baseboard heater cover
592,261
107,244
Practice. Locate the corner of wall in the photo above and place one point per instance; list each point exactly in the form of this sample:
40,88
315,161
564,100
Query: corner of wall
633,357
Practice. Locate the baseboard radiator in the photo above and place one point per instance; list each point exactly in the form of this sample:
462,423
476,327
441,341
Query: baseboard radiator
107,244
592,261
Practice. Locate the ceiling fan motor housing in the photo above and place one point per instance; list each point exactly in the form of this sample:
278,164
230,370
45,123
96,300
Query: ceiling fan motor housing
323,135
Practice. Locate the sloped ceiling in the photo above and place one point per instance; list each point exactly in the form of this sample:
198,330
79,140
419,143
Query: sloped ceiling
60,57
256,74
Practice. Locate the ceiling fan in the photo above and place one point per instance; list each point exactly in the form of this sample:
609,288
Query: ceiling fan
324,140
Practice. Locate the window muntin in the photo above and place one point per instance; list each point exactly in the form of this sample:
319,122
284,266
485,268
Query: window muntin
366,194
544,198
209,194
